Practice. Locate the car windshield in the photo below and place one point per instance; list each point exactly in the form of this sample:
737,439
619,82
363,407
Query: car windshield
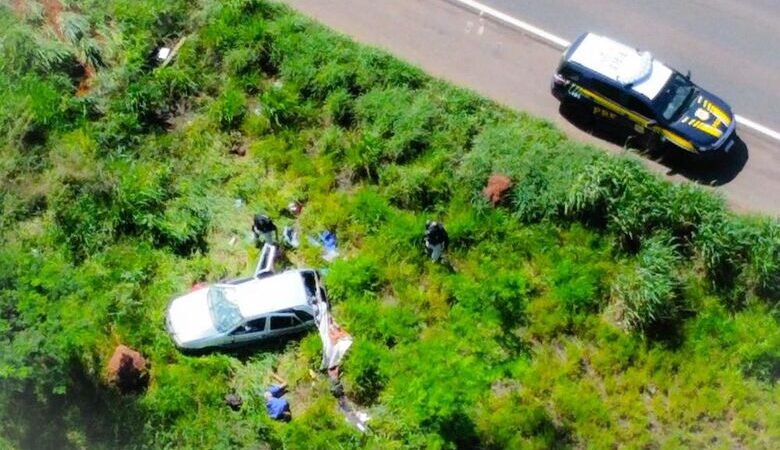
674,97
224,311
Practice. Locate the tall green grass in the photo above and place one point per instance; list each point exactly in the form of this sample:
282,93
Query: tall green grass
600,307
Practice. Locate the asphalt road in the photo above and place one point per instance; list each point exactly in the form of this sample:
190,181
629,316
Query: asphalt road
514,69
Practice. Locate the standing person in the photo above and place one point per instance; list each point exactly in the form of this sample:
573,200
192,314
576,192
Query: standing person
436,239
265,227
277,407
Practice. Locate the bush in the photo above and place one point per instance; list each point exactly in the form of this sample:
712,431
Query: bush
501,148
648,290
281,105
353,279
229,108
320,427
83,216
418,187
402,118
370,209
578,285
339,107
506,421
365,372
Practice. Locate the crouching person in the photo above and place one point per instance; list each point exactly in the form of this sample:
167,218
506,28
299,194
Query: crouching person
263,227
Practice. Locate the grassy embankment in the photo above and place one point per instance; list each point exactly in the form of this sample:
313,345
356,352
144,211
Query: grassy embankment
598,307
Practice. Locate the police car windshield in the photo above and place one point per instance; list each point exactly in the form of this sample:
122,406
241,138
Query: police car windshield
674,97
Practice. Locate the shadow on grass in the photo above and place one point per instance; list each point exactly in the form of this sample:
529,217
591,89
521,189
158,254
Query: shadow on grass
87,415
717,170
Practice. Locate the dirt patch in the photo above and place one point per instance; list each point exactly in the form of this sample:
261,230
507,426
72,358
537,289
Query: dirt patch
496,189
52,10
127,370
19,8
85,84
238,144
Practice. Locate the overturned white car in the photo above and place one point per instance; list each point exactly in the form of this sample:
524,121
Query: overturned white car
265,306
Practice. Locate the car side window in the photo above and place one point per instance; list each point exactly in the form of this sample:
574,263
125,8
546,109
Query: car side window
638,106
304,316
282,322
606,90
253,326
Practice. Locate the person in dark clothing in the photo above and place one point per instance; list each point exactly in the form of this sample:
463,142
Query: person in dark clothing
265,227
436,239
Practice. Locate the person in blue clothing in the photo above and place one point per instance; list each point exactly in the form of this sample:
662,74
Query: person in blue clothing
275,404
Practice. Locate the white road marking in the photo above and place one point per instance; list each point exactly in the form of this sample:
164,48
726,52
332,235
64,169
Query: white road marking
562,43
506,18
757,127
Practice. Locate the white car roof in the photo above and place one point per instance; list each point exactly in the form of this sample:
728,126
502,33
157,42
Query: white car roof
622,64
277,292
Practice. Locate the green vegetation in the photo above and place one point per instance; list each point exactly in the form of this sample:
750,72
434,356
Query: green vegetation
601,307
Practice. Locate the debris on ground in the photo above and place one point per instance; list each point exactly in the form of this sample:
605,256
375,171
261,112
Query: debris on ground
335,343
290,237
267,262
234,401
199,285
295,208
163,53
326,240
166,54
238,145
127,370
496,189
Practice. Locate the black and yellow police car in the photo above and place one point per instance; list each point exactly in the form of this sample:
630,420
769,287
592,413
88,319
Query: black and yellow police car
630,87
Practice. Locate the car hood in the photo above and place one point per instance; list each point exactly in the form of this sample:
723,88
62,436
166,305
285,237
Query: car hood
189,319
706,121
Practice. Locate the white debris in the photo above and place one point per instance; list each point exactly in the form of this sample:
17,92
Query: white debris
163,53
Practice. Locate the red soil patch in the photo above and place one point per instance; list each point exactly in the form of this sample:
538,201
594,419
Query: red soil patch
496,188
127,370
19,9
86,81
53,9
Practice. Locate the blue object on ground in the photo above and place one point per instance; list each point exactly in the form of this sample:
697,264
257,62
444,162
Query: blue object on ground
328,239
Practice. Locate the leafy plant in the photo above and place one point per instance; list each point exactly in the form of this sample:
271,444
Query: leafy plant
648,291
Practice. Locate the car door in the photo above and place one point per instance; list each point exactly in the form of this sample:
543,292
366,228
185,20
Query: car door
282,324
265,264
642,115
252,330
